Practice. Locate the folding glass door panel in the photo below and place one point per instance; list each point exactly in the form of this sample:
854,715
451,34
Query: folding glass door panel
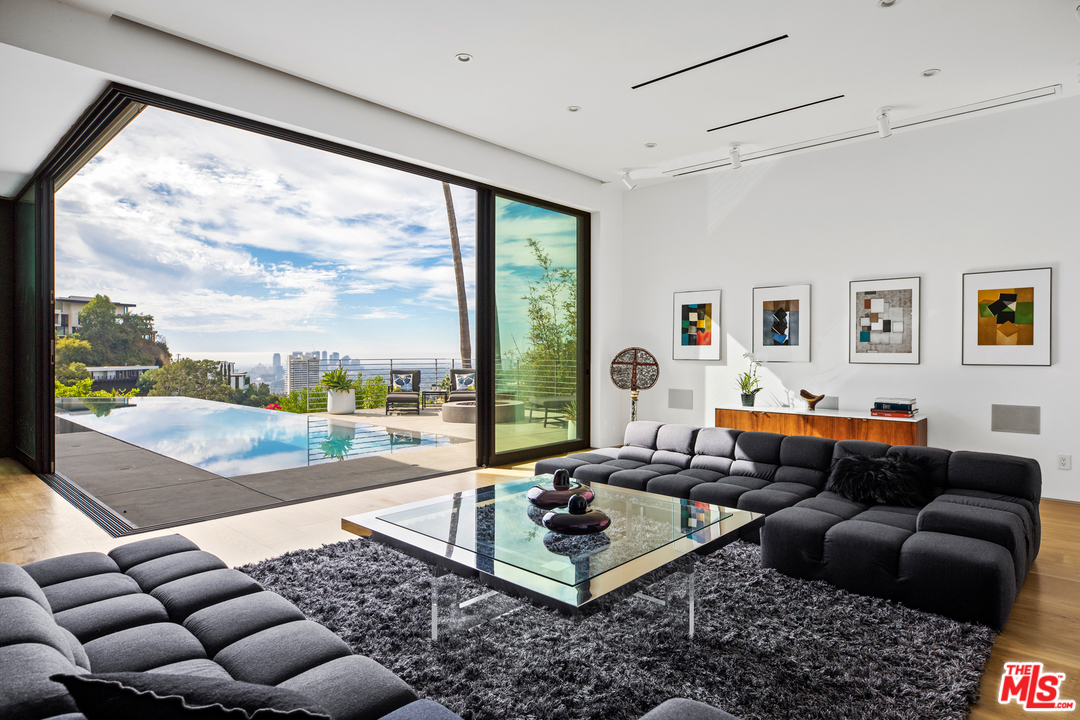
539,333
33,332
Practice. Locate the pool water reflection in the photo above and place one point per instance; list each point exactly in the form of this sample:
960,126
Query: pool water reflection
233,440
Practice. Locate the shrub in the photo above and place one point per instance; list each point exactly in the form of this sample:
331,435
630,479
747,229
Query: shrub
295,402
84,388
373,392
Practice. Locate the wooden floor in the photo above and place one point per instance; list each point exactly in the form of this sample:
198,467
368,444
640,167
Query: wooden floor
36,523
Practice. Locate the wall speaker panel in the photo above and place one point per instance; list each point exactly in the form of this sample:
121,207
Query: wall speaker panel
680,399
1016,419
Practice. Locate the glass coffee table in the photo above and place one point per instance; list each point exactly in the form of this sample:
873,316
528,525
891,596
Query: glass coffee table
495,534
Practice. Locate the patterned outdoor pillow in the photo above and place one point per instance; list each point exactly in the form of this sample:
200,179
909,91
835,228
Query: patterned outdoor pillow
402,382
465,382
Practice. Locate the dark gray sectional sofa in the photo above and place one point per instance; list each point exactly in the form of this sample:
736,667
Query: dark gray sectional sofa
964,554
165,606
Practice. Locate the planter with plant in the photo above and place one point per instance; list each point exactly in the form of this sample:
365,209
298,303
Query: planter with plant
749,382
340,391
570,413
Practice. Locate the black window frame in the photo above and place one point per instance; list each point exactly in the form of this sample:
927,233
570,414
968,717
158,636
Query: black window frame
110,109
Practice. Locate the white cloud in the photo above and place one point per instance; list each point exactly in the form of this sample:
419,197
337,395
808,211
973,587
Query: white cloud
381,314
213,229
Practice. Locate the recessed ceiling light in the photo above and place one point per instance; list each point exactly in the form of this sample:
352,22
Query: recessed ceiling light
573,108
886,3
650,145
464,57
931,72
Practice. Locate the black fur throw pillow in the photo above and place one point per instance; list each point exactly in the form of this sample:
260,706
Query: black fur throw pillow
885,480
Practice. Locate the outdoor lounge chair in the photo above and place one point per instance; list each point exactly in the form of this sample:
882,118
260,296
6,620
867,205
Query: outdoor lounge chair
554,407
463,378
399,395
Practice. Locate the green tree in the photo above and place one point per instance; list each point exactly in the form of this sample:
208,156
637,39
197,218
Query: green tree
71,373
192,378
128,339
73,350
146,381
551,355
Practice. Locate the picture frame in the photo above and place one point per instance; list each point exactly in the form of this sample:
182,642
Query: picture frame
696,325
1006,317
883,321
781,323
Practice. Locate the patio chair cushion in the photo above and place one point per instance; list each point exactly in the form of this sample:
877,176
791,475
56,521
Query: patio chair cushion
464,381
402,382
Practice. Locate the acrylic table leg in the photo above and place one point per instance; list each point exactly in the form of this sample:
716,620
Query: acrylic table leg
436,573
690,598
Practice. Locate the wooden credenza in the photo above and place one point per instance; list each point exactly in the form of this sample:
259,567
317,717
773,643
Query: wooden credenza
825,423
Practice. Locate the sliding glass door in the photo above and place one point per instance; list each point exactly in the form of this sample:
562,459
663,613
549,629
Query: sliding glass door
539,333
532,290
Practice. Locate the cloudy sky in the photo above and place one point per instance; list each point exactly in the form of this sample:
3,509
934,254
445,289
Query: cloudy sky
241,246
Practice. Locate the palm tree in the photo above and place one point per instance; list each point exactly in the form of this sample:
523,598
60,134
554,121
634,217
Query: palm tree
459,274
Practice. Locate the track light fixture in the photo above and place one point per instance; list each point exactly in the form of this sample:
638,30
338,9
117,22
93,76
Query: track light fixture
884,127
626,181
736,161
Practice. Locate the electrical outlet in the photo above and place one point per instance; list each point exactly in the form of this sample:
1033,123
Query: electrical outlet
1064,462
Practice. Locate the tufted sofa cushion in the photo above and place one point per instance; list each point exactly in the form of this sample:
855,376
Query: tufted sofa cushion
162,605
984,504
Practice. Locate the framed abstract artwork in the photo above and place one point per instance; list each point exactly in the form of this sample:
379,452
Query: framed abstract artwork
884,321
1006,318
781,326
696,325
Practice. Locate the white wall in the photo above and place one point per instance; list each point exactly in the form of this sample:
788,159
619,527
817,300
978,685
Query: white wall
119,50
992,192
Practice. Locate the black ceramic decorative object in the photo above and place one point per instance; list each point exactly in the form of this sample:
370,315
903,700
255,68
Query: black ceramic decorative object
579,518
562,490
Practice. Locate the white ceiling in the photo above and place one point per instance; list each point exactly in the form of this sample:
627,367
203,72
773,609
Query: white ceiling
533,59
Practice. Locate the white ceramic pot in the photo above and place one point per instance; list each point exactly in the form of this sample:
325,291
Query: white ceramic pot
341,402
571,430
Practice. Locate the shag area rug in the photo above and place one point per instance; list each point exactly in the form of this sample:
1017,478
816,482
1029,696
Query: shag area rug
765,646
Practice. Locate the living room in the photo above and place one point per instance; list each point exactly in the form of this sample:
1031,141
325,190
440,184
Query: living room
985,190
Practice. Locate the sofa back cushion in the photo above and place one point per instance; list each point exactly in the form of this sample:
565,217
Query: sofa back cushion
805,460
865,448
757,454
16,582
934,460
23,621
993,473
714,449
639,441
642,433
675,445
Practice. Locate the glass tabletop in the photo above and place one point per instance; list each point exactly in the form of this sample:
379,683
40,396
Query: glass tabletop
499,523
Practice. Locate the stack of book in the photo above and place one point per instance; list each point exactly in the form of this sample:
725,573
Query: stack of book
894,407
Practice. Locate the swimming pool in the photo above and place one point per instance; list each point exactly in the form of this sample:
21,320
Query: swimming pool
233,440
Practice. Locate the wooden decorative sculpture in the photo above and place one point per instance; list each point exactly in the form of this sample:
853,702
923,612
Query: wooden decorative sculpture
634,369
811,399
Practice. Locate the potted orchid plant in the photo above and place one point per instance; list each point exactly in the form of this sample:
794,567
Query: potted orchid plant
749,382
